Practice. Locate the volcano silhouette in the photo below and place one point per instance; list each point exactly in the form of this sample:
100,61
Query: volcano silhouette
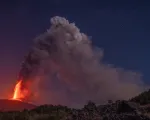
14,105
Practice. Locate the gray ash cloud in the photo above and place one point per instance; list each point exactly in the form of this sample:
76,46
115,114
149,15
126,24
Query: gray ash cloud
65,68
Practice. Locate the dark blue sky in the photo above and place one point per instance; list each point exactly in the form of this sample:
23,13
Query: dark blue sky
121,28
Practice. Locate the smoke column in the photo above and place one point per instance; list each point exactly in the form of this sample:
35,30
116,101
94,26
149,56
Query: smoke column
63,67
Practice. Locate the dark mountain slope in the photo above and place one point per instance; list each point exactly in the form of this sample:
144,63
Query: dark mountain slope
14,105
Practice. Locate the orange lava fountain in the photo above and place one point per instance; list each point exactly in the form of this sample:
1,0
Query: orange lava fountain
19,94
22,93
17,91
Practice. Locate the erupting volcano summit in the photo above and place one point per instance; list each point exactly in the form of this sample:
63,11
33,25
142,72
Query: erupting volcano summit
64,67
18,95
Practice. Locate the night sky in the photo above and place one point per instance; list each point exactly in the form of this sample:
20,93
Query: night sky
121,28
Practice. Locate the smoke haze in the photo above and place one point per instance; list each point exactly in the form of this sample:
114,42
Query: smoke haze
64,67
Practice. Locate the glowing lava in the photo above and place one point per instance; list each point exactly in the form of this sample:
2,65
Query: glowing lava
22,91
17,91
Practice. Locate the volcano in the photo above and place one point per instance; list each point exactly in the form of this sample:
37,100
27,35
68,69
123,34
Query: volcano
14,105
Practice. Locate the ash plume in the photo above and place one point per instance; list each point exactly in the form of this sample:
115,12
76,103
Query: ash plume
65,68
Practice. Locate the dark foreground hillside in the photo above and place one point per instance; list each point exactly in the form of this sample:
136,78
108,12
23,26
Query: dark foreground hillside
143,98
120,110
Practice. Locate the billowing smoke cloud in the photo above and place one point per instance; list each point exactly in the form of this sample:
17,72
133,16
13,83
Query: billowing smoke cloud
67,69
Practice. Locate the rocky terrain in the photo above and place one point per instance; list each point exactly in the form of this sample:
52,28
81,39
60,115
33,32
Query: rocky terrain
137,108
120,110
